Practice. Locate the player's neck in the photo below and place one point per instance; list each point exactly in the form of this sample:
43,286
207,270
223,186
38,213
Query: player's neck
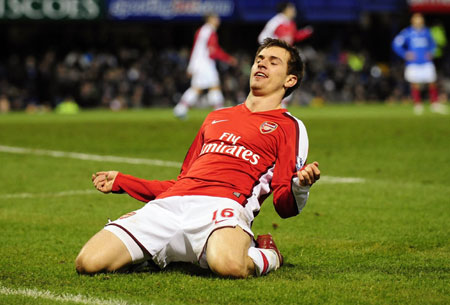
262,103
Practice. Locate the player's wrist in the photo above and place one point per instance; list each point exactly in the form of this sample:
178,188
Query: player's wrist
296,183
116,183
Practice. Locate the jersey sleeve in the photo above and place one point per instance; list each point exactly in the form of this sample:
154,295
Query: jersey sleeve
398,44
140,189
215,51
432,43
303,34
289,197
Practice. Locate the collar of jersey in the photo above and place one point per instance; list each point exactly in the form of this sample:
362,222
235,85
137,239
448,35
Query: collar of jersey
274,111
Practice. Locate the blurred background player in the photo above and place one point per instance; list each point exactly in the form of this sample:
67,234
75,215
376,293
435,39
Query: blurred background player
416,46
282,26
202,67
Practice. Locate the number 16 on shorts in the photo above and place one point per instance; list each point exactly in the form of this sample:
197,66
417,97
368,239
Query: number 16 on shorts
222,215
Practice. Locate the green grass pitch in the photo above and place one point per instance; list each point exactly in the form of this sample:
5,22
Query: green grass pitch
382,240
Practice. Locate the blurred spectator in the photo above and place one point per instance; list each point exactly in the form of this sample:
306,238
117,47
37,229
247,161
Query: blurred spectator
5,104
67,106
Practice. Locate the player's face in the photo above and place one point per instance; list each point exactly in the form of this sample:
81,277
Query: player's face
417,21
269,72
290,11
215,21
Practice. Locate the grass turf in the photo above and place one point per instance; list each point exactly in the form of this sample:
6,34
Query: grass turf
383,241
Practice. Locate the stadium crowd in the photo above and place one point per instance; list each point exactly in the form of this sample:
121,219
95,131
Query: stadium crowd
133,78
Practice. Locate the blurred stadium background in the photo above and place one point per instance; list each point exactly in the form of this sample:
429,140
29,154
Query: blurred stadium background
133,53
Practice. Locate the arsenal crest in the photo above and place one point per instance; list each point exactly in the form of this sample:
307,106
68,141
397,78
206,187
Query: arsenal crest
268,127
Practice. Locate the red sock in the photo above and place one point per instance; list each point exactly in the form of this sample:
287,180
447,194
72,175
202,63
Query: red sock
434,96
415,93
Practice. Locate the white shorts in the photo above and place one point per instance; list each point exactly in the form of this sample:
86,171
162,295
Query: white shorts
176,229
420,73
205,77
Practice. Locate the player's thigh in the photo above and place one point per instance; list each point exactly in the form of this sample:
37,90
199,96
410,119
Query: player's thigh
104,251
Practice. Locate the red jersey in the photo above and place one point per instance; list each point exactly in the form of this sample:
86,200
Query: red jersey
241,155
281,27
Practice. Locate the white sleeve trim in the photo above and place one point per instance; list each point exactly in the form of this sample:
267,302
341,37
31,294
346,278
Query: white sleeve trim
301,193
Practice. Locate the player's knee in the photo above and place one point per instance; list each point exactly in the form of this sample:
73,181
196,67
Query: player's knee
228,266
85,264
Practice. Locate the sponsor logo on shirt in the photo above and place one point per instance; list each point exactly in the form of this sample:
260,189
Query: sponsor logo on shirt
230,148
268,127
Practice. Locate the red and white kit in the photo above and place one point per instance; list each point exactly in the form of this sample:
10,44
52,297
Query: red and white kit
238,157
281,27
202,65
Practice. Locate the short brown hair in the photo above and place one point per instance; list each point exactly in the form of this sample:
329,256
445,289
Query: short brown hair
282,6
210,15
295,65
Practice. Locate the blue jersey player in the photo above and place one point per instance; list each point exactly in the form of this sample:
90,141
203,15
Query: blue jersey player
416,46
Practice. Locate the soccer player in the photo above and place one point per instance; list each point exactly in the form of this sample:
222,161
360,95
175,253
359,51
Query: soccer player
202,68
239,157
282,26
416,46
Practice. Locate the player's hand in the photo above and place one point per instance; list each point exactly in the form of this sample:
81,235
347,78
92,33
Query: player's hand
233,61
103,181
309,174
410,56
309,30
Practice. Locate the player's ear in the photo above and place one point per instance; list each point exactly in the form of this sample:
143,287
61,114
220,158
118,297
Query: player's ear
290,81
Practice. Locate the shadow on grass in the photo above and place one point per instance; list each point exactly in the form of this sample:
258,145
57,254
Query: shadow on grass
182,268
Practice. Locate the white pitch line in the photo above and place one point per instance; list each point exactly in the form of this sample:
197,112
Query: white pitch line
89,157
48,295
336,180
154,162
56,194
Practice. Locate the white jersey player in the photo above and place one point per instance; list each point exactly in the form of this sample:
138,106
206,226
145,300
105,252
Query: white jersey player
202,68
239,157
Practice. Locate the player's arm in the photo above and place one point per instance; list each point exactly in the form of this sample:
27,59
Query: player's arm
398,44
140,189
289,33
432,45
292,179
303,33
217,53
